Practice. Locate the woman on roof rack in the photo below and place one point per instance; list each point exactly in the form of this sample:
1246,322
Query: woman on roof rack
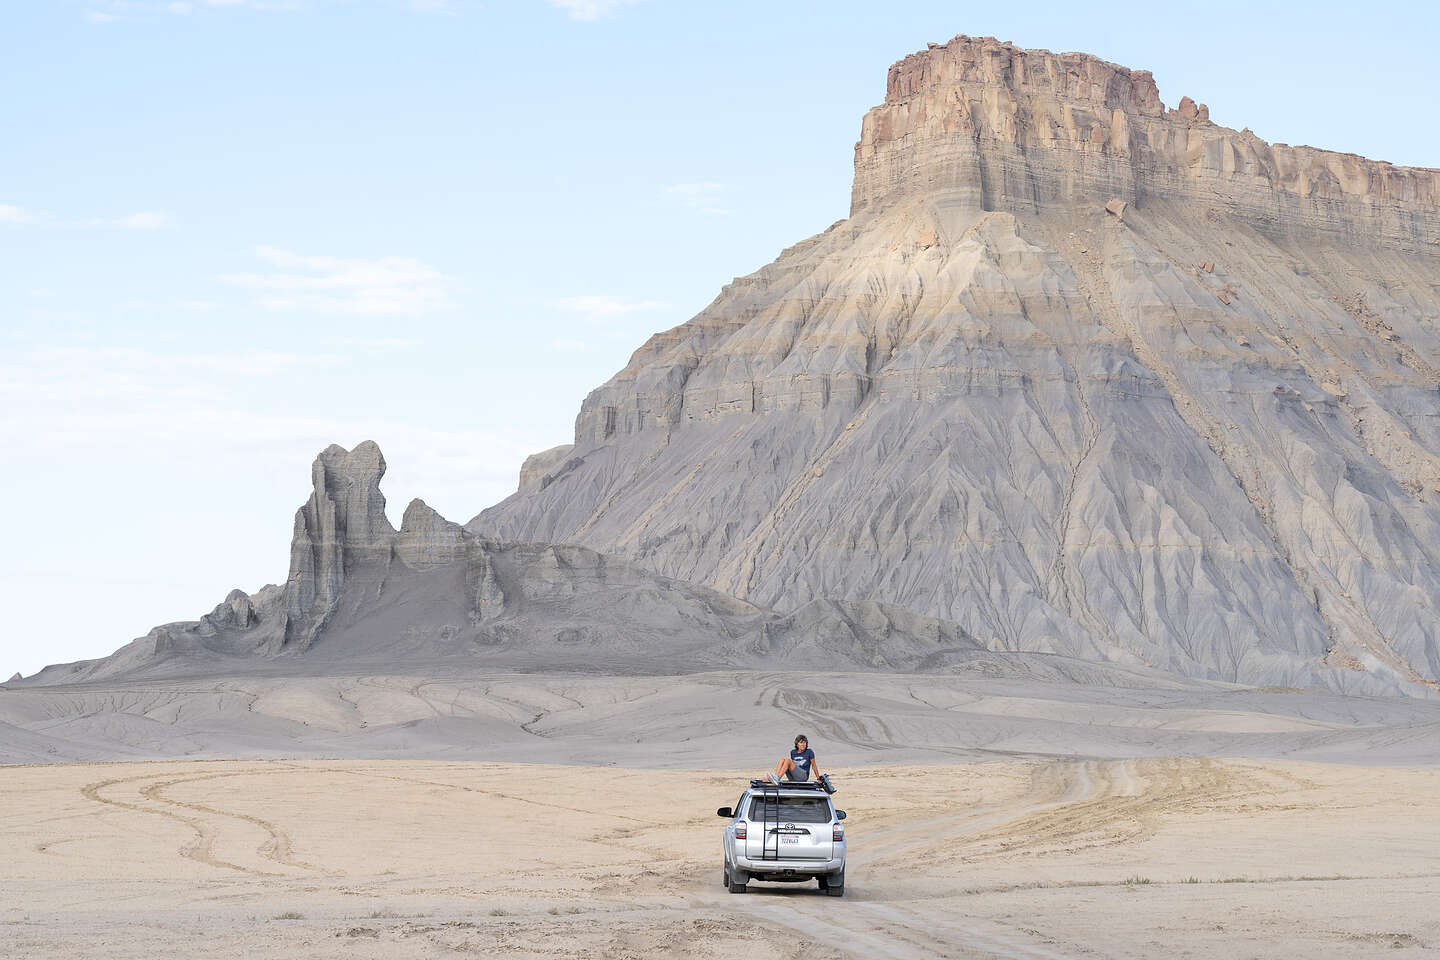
800,765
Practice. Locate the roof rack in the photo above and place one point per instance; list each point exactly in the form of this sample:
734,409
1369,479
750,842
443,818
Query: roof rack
789,785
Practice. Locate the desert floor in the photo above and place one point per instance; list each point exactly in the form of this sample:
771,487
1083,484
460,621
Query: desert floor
1178,857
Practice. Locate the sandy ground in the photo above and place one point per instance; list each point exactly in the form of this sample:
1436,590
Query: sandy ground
1172,857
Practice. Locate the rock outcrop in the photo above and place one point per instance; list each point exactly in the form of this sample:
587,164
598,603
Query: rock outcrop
427,539
541,468
341,529
980,123
1081,374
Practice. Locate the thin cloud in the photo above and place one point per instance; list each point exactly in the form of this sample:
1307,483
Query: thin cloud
387,286
144,220
379,343
256,363
139,10
187,7
113,11
707,197
600,309
571,346
103,380
590,10
150,306
283,5
10,213
117,10
441,6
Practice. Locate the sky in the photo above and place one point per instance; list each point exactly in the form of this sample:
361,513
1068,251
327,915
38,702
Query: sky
233,232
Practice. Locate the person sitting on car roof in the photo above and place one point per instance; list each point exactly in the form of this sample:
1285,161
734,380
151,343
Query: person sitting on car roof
800,764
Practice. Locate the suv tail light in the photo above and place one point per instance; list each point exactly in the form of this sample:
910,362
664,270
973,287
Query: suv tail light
837,833
740,831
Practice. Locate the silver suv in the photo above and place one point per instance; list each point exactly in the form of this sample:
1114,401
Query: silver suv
788,833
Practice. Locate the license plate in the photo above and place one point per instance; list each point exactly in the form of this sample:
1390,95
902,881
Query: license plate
789,839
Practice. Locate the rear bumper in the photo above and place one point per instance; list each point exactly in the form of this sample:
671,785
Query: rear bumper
797,867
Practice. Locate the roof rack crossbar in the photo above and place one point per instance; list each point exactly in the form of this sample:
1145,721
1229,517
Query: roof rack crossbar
789,785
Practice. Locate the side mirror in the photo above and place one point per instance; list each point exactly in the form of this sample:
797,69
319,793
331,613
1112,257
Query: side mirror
724,812
839,814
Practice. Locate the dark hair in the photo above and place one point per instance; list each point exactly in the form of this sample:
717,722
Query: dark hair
799,738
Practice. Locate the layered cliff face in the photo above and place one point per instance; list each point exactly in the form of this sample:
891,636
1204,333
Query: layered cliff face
1081,374
983,123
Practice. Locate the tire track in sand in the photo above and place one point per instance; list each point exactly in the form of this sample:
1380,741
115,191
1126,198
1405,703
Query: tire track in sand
497,794
939,934
277,848
878,930
1055,786
200,849
1125,804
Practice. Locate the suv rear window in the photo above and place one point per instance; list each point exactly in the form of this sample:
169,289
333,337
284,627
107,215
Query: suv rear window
791,809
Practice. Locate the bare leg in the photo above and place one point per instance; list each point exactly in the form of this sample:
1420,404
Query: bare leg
783,767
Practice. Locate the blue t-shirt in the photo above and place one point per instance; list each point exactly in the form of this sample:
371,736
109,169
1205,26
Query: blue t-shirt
802,760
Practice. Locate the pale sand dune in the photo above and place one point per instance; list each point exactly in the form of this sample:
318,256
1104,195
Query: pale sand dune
430,859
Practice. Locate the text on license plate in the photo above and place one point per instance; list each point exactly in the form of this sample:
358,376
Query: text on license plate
789,839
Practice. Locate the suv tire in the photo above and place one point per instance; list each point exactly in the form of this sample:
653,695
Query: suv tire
734,885
834,886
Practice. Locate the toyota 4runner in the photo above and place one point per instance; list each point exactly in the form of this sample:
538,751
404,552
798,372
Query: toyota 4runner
788,834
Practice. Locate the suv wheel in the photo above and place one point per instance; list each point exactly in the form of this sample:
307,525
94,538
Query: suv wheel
735,885
834,885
